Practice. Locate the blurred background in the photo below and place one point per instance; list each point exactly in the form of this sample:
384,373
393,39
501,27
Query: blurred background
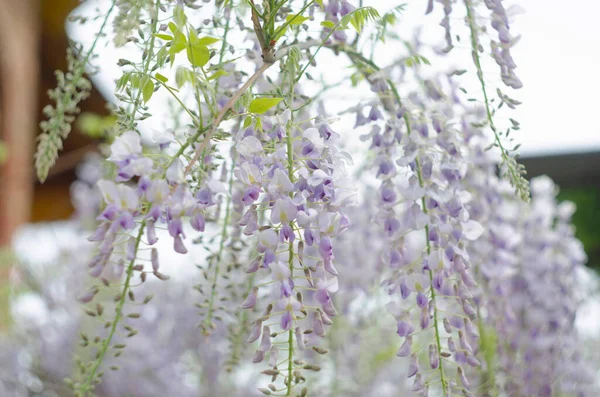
560,133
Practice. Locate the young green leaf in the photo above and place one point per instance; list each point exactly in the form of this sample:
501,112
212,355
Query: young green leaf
218,74
198,55
183,75
148,90
166,37
328,24
261,105
296,19
247,122
178,44
359,17
208,40
179,16
161,78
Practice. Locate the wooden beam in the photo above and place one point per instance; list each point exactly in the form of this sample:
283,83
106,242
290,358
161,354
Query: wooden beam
19,76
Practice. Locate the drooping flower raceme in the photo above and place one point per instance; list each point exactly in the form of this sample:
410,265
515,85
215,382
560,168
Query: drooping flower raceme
421,168
530,267
291,176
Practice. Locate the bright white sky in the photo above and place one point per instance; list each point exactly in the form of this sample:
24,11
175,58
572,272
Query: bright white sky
558,60
559,63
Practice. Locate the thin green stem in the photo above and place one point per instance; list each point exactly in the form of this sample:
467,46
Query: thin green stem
270,25
91,50
514,173
213,290
290,159
88,384
149,55
312,57
224,41
286,24
477,62
217,121
172,92
290,332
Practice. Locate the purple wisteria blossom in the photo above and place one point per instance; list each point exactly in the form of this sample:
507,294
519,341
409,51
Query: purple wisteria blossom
297,192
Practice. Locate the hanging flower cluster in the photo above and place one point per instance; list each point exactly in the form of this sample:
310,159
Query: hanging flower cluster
148,203
530,267
421,167
290,173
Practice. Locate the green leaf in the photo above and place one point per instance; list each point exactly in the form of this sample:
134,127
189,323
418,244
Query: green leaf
280,32
148,89
95,126
247,122
208,40
359,17
173,27
296,19
261,105
182,76
161,56
179,16
198,55
320,3
135,81
164,36
218,74
123,80
178,44
416,60
328,24
160,77
3,152
258,125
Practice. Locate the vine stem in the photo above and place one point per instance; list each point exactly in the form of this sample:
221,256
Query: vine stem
150,54
119,309
290,158
85,388
223,112
476,60
213,290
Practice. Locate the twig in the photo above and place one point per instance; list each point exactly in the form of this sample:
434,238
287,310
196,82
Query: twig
223,112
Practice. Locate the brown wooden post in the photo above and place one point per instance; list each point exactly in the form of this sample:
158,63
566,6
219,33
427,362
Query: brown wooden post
19,79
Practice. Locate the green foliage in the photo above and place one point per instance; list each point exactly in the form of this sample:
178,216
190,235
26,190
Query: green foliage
147,89
261,105
359,18
127,20
161,78
179,16
295,19
328,24
198,55
197,52
586,219
3,152
415,60
96,126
